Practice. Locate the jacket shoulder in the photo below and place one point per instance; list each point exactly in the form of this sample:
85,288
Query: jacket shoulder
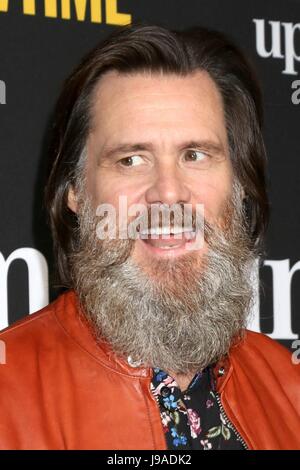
31,323
264,346
258,352
32,335
260,341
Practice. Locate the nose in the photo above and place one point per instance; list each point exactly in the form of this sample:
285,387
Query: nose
168,187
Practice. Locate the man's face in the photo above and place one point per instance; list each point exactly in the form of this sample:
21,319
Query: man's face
167,307
174,149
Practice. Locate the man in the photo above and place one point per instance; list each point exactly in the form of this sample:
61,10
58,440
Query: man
149,348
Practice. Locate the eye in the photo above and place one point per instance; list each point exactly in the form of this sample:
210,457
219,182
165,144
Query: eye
195,155
133,160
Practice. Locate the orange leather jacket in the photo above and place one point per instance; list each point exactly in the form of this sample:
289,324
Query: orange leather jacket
60,389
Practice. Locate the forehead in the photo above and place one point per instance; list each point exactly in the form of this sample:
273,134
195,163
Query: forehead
144,102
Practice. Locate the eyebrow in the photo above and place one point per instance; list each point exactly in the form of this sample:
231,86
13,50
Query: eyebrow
108,152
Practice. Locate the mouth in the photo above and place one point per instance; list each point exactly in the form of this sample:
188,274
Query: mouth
168,243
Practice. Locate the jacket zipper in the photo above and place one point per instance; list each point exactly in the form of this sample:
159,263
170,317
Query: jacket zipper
228,422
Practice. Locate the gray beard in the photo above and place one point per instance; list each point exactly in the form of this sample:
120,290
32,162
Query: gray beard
185,315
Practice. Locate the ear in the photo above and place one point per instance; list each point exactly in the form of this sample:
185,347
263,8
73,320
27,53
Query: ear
72,200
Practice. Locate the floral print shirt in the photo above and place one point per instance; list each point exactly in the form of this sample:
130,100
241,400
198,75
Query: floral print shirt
192,419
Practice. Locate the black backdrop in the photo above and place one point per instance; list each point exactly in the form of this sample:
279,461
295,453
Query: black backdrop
37,51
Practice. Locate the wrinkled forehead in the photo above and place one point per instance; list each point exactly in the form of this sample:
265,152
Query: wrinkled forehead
127,105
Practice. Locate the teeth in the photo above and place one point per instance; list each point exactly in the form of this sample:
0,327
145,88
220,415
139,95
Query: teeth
167,231
167,247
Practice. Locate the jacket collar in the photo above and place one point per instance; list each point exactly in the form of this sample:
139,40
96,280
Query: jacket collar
71,318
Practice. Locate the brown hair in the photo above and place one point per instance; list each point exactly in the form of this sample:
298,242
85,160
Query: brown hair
147,48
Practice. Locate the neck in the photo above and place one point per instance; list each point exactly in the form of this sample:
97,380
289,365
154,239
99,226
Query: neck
182,380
